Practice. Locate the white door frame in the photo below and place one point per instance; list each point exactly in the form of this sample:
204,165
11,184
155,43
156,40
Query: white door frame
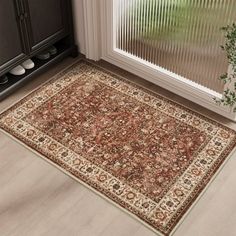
100,44
92,26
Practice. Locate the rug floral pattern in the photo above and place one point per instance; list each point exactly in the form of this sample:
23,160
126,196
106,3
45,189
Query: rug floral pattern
147,154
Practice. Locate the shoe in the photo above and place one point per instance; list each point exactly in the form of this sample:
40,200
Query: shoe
43,55
19,70
3,79
28,64
52,50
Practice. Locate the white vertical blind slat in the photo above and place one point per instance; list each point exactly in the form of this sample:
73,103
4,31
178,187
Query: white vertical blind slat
182,36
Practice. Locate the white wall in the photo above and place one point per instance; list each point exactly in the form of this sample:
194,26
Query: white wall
79,24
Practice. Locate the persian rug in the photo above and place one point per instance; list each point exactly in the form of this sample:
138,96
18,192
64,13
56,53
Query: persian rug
150,156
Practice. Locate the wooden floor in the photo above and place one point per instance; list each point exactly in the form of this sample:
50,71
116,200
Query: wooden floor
38,199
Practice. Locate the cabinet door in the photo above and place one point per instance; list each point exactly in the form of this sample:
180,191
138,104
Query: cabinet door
11,31
46,21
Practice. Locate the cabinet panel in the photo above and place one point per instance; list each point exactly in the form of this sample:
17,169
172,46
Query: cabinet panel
11,47
47,21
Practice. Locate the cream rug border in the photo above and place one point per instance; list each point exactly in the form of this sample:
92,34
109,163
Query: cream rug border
94,190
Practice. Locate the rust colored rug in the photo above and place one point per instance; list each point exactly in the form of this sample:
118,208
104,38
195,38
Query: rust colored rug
150,156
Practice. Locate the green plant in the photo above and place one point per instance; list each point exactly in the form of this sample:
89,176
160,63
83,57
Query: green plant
150,18
177,20
229,78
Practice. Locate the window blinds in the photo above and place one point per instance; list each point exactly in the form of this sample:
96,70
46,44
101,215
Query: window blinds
182,36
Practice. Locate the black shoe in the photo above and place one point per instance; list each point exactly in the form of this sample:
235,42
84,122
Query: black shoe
52,50
43,55
3,79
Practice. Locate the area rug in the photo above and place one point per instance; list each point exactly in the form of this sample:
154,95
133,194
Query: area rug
148,155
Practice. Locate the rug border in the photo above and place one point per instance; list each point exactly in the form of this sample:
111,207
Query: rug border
195,112
213,178
40,86
158,233
153,93
205,117
38,155
50,80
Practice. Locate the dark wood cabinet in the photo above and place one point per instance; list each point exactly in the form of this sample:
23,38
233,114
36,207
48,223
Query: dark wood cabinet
47,21
28,27
11,34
